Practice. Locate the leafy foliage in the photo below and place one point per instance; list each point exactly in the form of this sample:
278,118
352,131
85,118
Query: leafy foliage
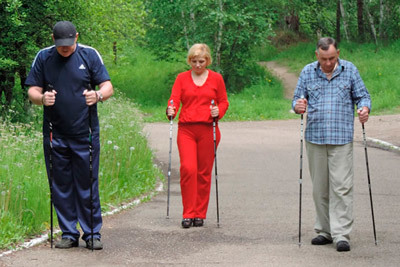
230,27
28,24
143,78
318,17
108,23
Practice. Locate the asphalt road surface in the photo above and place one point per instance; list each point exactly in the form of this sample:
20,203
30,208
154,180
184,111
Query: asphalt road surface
258,167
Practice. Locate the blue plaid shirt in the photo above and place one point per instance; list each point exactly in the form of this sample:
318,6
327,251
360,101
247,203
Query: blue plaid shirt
330,110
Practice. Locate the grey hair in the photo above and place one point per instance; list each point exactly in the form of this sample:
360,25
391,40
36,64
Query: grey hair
325,42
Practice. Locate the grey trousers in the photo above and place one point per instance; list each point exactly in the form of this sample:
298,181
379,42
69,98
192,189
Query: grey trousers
331,170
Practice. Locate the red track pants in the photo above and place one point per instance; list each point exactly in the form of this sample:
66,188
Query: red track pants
196,152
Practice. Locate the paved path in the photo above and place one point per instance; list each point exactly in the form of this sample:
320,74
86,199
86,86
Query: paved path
258,165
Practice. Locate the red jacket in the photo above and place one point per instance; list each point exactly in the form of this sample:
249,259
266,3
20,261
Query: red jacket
196,100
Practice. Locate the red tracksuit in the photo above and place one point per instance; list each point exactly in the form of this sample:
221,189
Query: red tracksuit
195,137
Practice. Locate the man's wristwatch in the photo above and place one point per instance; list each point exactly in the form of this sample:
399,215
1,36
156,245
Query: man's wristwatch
99,96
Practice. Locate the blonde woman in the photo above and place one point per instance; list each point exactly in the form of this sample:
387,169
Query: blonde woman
193,91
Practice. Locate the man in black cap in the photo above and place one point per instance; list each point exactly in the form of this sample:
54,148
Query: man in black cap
60,79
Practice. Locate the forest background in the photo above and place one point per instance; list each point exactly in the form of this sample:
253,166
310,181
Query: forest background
144,45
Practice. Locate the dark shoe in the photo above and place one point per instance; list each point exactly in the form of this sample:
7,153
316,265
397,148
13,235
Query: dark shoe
197,222
320,240
186,223
67,243
343,246
97,245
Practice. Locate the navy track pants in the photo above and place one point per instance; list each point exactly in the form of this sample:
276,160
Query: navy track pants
71,184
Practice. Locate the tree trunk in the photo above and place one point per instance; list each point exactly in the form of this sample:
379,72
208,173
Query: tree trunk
185,30
22,77
219,36
360,22
345,26
381,17
193,24
338,21
6,85
371,23
293,22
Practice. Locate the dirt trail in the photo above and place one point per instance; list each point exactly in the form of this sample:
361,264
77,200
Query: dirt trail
288,79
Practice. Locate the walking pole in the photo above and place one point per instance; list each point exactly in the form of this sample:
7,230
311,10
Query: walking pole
91,168
369,183
301,173
215,158
170,152
50,89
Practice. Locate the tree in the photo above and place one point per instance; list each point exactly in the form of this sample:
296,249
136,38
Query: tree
338,21
18,41
360,21
344,19
27,27
381,17
230,27
372,24
109,23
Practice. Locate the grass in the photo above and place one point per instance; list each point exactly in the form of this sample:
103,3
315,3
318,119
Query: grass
23,186
146,80
143,78
126,169
262,101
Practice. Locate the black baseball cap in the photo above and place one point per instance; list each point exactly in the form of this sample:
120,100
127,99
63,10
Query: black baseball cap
64,33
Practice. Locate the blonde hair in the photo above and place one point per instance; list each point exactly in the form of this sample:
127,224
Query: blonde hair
199,50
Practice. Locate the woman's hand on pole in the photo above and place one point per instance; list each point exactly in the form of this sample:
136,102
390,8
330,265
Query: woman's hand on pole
171,111
214,111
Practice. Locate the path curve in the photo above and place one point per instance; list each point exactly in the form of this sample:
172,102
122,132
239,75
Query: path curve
289,79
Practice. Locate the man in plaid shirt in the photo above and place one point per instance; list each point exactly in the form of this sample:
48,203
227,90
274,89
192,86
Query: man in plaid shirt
329,88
